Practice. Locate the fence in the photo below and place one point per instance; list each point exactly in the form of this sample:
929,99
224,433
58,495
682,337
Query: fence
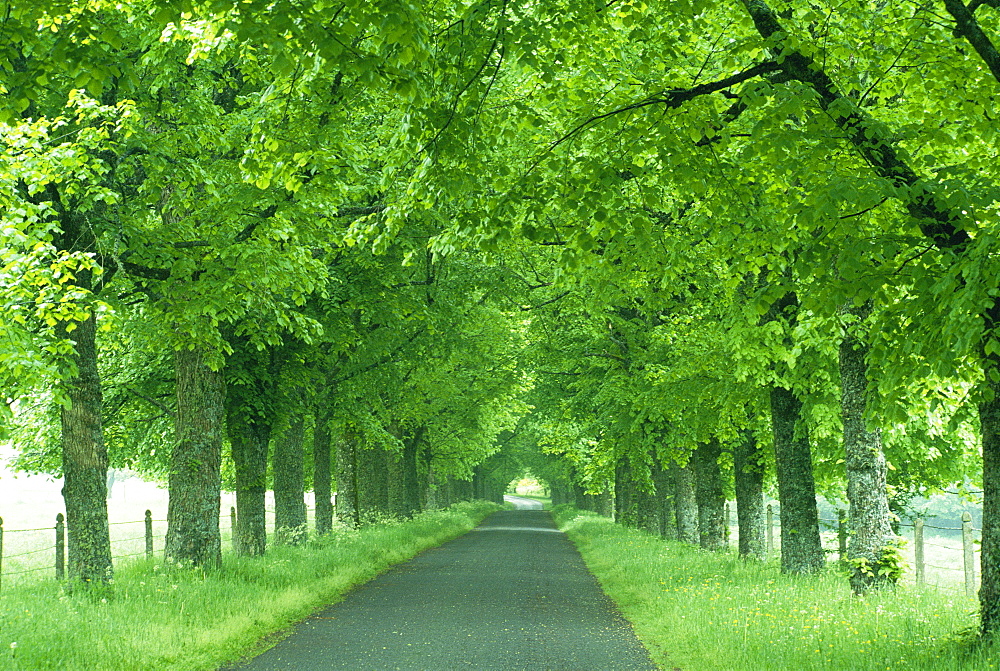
43,549
938,561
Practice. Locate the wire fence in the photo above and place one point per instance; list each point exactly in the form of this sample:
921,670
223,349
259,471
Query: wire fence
40,552
946,557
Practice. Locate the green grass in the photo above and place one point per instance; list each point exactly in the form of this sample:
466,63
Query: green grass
165,617
697,610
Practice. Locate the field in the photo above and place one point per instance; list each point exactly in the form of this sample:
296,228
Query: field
29,505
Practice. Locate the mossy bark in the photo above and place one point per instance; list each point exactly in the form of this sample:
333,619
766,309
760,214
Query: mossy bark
664,483
989,420
288,469
626,512
194,482
801,551
322,480
748,467
712,530
411,472
249,436
85,462
649,502
347,479
685,503
871,530
372,483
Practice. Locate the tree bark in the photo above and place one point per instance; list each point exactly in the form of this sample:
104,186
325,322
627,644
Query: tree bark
195,463
685,503
372,464
626,512
288,468
411,478
322,481
989,423
749,474
711,499
604,501
249,435
649,503
871,530
664,483
85,462
347,479
801,550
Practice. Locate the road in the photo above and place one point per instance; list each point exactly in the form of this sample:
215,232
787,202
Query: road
511,594
522,503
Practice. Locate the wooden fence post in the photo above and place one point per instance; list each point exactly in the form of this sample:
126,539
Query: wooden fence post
842,534
728,518
969,557
770,531
60,547
918,549
149,534
232,528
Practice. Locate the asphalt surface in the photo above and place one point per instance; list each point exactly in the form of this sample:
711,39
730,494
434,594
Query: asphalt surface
511,594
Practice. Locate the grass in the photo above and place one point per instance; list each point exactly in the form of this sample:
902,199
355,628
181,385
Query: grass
157,616
697,610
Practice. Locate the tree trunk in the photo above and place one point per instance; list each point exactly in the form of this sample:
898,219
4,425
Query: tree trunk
626,512
372,464
347,479
989,422
85,462
289,483
249,436
195,463
685,503
411,478
322,485
749,474
871,532
801,551
711,499
649,503
604,501
664,483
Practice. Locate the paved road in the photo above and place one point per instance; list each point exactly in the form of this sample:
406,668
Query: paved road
521,503
511,594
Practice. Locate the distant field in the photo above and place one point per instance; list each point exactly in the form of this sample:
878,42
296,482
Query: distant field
943,559
29,505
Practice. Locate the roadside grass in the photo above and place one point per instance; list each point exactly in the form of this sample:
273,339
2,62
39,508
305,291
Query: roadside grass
160,616
696,610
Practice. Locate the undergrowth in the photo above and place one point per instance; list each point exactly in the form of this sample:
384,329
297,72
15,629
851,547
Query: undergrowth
697,610
159,616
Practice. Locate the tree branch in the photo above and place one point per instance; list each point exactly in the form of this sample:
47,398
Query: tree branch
673,98
166,411
937,221
552,300
967,26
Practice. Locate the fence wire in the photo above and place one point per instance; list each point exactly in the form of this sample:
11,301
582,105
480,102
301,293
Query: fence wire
156,539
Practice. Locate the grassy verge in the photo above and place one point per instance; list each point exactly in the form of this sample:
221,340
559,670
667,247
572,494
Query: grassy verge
696,610
165,617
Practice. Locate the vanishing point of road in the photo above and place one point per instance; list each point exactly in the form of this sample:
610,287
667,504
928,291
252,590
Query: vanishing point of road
512,594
